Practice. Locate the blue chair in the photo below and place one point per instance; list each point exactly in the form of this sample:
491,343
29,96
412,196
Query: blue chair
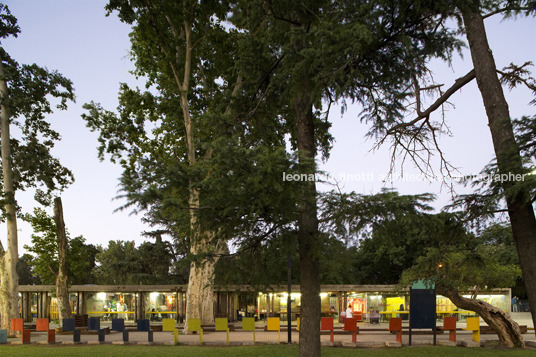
3,336
93,324
102,333
68,325
143,325
76,336
118,324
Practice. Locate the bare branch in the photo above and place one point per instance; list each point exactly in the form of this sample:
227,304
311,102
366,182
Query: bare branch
459,83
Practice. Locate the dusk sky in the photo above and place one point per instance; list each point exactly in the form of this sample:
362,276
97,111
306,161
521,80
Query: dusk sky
76,38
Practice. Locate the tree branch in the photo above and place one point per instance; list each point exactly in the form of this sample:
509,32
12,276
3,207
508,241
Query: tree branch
459,83
507,8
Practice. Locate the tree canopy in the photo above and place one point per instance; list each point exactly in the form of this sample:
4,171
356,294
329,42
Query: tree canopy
28,93
45,250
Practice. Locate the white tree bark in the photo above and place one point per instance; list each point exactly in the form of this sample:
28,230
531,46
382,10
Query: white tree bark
205,250
200,293
9,285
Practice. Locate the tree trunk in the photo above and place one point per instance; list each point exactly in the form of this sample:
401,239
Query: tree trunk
205,250
308,237
200,293
509,160
9,285
506,328
62,289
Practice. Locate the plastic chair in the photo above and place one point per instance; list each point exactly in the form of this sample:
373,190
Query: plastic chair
274,324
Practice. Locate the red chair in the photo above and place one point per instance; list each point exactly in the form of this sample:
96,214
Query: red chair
395,325
350,324
449,324
43,325
18,325
326,324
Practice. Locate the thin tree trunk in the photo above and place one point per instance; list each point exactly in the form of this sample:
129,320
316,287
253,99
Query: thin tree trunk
9,285
506,328
308,237
509,161
62,289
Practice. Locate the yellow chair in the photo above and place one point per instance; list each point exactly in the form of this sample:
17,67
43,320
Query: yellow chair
248,324
176,337
168,325
274,324
222,324
194,325
473,324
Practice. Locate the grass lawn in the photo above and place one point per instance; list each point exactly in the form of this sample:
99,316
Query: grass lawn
256,351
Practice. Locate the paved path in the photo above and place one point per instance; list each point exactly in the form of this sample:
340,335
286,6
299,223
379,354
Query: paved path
364,338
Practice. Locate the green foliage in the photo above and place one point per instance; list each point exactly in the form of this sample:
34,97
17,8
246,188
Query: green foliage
365,239
487,201
368,51
33,93
25,272
395,245
122,263
347,215
338,262
260,263
239,138
45,250
466,263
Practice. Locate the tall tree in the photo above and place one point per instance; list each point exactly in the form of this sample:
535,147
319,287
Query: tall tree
509,161
192,162
323,51
25,93
59,259
510,184
172,45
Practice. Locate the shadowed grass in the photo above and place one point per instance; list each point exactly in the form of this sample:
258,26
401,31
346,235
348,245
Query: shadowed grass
256,351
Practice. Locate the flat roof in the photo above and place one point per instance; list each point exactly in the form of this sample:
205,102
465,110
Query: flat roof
222,288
